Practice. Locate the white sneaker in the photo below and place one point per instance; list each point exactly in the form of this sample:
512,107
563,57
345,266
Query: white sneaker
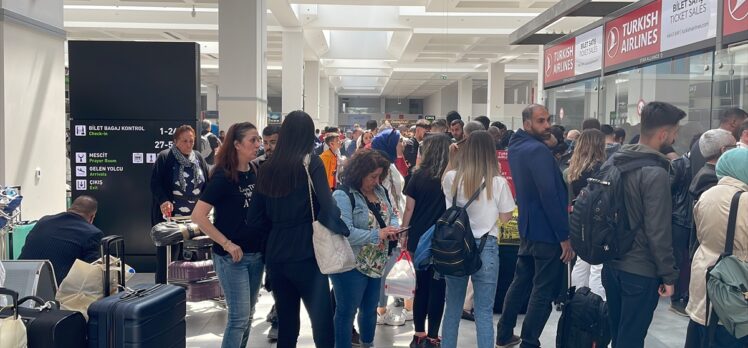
391,319
407,315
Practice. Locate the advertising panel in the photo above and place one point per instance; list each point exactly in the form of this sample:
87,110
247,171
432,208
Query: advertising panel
656,30
588,51
687,21
735,17
559,61
633,35
566,61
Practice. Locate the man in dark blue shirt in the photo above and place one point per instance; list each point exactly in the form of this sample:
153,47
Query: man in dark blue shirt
64,237
543,227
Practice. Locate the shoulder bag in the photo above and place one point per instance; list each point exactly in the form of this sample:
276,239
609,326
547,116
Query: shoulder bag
332,251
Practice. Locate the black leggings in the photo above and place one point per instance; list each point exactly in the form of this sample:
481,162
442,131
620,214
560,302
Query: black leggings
296,282
429,301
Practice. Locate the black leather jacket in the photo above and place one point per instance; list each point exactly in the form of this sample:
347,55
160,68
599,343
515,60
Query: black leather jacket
680,181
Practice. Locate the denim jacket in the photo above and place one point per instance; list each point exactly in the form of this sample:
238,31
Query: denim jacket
357,218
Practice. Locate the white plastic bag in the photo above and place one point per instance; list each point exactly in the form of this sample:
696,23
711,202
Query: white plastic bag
3,303
401,281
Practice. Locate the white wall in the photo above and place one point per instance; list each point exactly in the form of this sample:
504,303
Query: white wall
32,108
480,109
449,99
432,105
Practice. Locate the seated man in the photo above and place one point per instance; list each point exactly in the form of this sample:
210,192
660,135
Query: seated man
64,237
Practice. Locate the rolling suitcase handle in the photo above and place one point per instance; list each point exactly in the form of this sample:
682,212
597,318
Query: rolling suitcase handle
106,253
14,296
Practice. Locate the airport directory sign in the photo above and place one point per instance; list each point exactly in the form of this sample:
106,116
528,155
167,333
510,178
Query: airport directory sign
112,160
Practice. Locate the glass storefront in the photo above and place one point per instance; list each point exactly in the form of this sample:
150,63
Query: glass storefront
571,104
684,81
730,79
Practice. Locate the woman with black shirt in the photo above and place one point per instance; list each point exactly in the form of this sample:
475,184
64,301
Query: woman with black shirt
423,206
178,178
281,209
589,155
237,247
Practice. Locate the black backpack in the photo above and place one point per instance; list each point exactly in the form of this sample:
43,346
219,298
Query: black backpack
453,247
599,226
584,321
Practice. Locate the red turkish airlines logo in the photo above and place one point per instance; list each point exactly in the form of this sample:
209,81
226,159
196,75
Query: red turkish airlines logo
548,65
614,39
738,9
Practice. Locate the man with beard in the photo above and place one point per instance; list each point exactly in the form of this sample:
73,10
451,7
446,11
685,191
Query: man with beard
634,279
543,227
269,140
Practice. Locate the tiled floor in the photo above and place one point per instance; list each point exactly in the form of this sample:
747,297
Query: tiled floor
206,320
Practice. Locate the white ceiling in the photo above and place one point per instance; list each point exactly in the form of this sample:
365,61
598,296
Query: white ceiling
393,48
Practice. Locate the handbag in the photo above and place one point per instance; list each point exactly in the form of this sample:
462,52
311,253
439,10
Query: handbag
727,286
82,286
401,281
332,250
12,329
422,258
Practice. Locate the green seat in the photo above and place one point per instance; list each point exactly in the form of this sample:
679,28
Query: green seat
20,232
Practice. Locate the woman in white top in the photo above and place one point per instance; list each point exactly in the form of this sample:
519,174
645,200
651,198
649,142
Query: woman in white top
476,164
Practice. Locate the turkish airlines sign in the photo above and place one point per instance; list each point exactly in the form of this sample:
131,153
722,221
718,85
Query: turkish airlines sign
642,34
559,61
573,57
735,17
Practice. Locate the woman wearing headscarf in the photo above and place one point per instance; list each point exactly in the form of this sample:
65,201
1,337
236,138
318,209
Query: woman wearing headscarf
711,214
178,178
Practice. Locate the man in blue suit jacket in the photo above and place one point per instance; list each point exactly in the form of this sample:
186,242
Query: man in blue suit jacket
543,228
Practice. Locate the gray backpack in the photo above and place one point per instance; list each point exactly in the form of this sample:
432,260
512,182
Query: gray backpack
727,286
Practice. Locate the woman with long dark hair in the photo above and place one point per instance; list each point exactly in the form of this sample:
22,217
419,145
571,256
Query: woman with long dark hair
237,248
281,209
423,206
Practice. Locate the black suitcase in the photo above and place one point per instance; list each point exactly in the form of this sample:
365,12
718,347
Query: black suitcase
197,249
584,319
150,316
47,326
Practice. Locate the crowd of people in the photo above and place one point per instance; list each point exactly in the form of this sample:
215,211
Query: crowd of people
384,187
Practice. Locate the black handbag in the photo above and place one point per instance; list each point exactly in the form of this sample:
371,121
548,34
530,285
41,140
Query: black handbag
48,326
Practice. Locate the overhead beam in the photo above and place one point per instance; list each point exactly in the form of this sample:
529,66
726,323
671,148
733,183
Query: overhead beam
527,33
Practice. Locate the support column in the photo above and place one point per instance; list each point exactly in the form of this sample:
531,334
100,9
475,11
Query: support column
292,89
383,105
539,99
324,102
212,98
334,108
32,104
465,98
242,37
496,93
311,90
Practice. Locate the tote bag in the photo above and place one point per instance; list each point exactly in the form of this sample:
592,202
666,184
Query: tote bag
332,250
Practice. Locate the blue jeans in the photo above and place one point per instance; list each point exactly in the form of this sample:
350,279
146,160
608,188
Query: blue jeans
484,287
355,291
241,283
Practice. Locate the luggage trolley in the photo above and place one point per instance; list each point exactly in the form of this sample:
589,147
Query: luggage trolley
193,270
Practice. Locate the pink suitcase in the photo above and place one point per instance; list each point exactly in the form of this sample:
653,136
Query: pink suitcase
189,271
202,290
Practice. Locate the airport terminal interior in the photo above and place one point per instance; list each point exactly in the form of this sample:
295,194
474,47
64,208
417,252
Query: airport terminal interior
120,118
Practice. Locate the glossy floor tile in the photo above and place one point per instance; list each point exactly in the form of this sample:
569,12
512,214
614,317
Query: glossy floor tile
206,321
